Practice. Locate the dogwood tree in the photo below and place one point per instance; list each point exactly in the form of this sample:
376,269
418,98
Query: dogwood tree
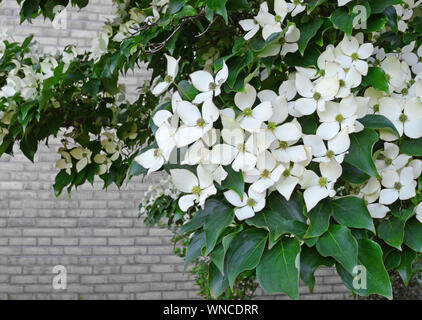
290,131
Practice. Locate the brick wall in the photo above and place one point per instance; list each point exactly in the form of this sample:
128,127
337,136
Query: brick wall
96,235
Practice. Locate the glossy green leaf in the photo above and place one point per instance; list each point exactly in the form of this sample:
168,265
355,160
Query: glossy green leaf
319,218
377,121
353,174
413,234
217,281
219,7
352,212
360,151
278,270
290,210
339,243
378,6
307,32
215,224
311,260
234,181
195,246
412,147
245,252
376,78
408,256
391,231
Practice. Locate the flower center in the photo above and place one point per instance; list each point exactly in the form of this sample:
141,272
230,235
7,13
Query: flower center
376,108
397,186
265,173
388,161
296,2
241,147
158,153
196,190
342,83
355,56
388,77
322,182
277,18
339,118
200,122
283,145
403,118
168,79
317,96
247,112
251,202
405,91
322,73
286,173
271,126
330,154
212,86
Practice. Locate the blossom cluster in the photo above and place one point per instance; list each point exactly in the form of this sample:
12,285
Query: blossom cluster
261,136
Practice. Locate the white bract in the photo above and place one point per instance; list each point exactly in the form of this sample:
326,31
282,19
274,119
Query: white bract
248,205
172,70
207,84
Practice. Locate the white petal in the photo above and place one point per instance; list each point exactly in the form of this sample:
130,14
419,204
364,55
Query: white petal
188,113
263,111
187,135
365,51
313,196
304,86
201,80
223,154
331,170
349,46
316,144
209,111
247,24
378,211
233,137
340,143
288,132
305,106
328,130
292,34
186,202
408,191
244,161
172,66
388,196
160,88
201,97
389,178
262,184
161,116
184,180
222,75
246,99
234,199
286,186
243,213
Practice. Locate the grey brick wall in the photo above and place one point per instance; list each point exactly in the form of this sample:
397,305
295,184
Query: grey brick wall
96,235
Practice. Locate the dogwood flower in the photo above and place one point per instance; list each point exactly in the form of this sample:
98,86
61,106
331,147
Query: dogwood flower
248,205
83,155
391,159
152,159
295,7
337,147
319,188
338,116
104,163
397,73
207,84
398,185
378,210
405,12
234,151
172,70
291,38
371,191
343,2
406,117
251,119
197,189
250,25
65,163
272,23
195,124
289,179
315,95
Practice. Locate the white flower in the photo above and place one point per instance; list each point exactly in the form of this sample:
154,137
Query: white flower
316,94
289,179
172,70
391,159
337,147
250,25
405,12
353,59
195,123
266,173
104,163
271,23
319,188
65,163
419,212
343,2
414,60
295,7
83,156
377,210
398,73
291,38
197,189
406,117
398,186
338,116
152,159
207,84
251,119
235,149
246,207
371,191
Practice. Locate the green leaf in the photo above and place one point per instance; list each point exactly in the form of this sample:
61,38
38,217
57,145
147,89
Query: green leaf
195,246
217,281
200,216
377,121
392,19
245,252
310,260
392,259
215,224
339,243
236,65
29,146
187,90
352,212
391,231
29,8
413,234
342,20
91,87
313,4
61,181
234,181
278,270
353,174
378,6
291,210
377,278
408,256
412,147
307,32
174,6
376,78
360,151
219,7
309,58
319,219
